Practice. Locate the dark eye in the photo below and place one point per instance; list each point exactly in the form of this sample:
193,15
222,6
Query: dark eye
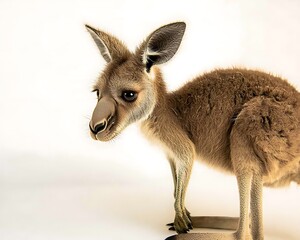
129,96
97,92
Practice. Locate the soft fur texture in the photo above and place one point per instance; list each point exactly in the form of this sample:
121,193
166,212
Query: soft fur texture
241,121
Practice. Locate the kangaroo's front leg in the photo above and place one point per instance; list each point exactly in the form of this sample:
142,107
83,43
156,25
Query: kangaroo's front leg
242,233
182,222
181,152
214,222
174,174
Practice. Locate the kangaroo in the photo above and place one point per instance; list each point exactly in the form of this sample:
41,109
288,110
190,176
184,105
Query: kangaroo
241,121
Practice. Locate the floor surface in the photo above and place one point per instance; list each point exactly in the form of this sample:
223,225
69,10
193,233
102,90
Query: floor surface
83,201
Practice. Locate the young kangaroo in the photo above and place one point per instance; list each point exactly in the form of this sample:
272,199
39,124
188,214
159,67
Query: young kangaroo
241,121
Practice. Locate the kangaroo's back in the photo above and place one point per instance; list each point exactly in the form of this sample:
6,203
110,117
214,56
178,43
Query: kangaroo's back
208,106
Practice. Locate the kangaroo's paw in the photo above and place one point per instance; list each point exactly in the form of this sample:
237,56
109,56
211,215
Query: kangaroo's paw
187,217
182,222
172,228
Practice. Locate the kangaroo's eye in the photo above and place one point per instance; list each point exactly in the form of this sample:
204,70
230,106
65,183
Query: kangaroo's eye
129,96
97,92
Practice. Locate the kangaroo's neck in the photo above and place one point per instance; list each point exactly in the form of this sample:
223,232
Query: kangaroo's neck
163,126
161,103
153,126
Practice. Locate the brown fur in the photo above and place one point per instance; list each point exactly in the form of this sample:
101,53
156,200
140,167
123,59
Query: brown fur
263,107
241,121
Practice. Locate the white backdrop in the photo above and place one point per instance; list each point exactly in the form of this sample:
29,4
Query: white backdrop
57,183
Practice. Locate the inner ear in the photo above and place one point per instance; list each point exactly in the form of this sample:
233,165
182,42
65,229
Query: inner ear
162,44
100,44
151,59
109,46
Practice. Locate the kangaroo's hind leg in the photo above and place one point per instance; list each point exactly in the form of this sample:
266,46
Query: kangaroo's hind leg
263,145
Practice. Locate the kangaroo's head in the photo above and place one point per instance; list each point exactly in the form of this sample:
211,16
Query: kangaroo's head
127,88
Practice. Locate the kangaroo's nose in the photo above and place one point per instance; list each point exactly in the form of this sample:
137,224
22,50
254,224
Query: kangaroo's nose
100,127
103,112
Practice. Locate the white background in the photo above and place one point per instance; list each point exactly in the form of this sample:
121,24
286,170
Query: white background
55,182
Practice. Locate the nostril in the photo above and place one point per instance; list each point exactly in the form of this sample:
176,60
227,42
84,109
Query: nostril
101,127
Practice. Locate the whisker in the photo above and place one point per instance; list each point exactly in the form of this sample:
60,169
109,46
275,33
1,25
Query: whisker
87,117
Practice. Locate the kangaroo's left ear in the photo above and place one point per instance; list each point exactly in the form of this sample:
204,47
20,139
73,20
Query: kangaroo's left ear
162,44
110,47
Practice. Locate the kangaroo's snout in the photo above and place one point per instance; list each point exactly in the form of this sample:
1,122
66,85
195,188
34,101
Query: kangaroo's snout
102,115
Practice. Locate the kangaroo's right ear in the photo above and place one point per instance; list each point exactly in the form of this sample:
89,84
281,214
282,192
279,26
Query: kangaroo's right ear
110,47
162,44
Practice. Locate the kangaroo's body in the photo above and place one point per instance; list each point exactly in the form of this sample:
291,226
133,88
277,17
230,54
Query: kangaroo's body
240,121
207,108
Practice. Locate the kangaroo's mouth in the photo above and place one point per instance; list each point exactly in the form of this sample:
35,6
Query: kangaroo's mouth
111,122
